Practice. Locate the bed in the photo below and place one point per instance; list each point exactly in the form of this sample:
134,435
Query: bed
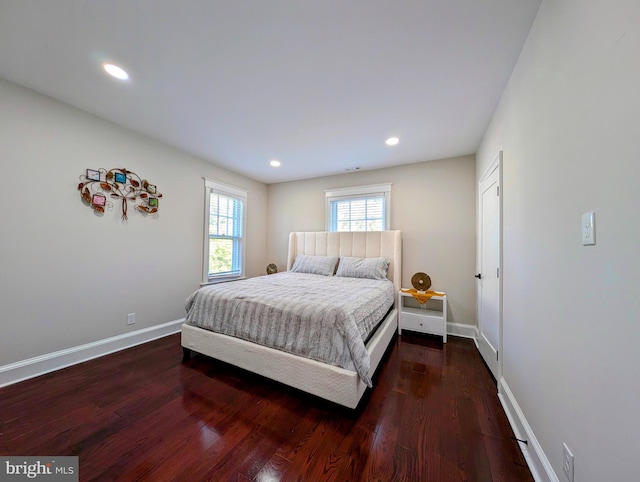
344,385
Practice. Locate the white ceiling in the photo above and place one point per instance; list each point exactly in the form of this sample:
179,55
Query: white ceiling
317,84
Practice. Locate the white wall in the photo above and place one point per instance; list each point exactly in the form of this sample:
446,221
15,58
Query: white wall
70,277
432,203
569,125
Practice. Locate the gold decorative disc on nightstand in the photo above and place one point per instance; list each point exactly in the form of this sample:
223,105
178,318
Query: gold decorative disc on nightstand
421,281
272,268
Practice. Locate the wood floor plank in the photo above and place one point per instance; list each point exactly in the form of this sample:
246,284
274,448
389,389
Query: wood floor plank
143,414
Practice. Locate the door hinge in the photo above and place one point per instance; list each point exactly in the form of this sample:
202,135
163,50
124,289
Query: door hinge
497,357
497,190
497,272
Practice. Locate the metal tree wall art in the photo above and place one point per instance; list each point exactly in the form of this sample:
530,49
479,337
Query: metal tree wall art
97,185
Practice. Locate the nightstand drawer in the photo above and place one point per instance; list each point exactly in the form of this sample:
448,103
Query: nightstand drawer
421,322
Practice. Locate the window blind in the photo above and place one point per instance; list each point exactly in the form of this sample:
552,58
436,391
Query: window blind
358,214
359,208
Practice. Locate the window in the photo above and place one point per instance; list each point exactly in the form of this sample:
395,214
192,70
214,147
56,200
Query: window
364,208
223,232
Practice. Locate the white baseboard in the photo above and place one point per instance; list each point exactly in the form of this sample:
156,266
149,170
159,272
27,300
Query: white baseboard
33,367
537,461
463,331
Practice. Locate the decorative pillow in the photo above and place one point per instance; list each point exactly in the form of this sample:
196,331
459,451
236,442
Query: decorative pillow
372,268
324,265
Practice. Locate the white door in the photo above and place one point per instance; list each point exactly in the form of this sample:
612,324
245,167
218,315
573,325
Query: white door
489,283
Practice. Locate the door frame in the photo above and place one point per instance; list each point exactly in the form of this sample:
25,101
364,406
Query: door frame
495,164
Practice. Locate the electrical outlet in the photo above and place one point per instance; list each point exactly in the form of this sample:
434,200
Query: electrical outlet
589,228
567,462
131,318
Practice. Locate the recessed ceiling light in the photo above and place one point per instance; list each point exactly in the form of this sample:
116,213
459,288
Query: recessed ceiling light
392,141
274,163
115,71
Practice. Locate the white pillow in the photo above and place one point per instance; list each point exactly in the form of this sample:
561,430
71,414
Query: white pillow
372,268
324,265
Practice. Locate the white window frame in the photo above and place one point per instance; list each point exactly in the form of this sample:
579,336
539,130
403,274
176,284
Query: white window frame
359,192
231,191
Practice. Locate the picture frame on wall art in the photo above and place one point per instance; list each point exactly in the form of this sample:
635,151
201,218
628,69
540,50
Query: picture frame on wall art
153,202
99,200
120,177
93,175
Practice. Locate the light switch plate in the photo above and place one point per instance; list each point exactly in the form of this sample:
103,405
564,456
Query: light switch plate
589,228
567,462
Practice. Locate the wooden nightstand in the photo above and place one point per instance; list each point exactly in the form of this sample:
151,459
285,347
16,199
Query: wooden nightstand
422,319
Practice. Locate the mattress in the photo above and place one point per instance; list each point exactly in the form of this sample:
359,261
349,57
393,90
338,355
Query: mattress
325,318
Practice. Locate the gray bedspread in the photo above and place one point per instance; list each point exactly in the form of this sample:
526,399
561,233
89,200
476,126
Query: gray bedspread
325,318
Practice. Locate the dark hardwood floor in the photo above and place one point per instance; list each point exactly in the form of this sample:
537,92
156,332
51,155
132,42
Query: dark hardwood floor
141,414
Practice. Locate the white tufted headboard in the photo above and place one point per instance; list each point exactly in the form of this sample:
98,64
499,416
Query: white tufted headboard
372,244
